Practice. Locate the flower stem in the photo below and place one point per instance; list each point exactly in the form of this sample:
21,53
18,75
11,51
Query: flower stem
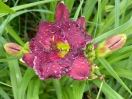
57,87
78,89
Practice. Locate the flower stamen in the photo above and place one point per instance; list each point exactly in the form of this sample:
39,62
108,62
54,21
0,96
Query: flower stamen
63,48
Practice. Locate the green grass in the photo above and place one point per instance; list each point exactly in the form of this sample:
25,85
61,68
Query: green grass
18,22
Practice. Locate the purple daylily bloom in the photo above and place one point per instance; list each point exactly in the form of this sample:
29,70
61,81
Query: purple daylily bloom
46,55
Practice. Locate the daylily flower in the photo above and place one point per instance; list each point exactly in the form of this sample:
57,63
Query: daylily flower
57,48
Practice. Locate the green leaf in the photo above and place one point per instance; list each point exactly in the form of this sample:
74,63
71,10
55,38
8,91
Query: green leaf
57,86
113,73
24,83
5,9
122,72
78,88
117,13
114,31
36,88
50,17
12,32
16,8
4,94
78,10
107,90
69,4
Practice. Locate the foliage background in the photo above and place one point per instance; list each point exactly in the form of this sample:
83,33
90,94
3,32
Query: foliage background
104,18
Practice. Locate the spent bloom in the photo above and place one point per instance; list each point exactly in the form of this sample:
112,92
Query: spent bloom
57,49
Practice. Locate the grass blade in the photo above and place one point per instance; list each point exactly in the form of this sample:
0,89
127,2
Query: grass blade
113,73
5,9
109,92
4,94
114,31
24,83
78,10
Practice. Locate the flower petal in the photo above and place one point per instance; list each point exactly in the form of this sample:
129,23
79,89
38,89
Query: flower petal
80,70
33,46
76,34
44,35
46,32
62,13
28,59
81,21
48,65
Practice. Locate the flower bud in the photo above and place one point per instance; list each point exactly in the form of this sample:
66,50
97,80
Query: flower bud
12,49
89,52
110,45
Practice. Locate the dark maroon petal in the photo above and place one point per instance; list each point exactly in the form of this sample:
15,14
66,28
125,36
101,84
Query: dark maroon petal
49,65
95,46
62,13
44,28
88,38
45,34
33,46
81,21
80,70
76,34
42,39
28,59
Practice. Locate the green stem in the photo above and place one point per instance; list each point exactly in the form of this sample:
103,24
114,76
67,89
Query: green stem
78,89
81,88
57,87
29,73
13,79
69,93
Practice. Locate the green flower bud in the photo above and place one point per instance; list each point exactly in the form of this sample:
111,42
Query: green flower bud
89,52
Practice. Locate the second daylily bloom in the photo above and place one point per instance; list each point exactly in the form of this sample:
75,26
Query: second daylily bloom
57,48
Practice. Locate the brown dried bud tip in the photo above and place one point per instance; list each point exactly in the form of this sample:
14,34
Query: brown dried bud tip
12,49
110,45
101,77
92,77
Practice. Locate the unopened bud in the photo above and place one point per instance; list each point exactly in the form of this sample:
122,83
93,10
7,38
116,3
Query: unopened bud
89,52
12,49
110,45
